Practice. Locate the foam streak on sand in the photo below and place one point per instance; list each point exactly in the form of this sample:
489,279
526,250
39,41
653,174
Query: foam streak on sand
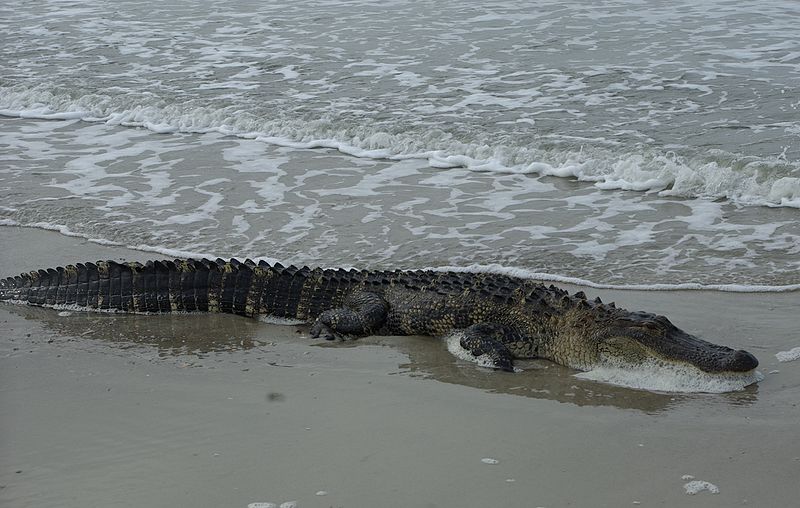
529,274
788,356
66,231
695,486
669,378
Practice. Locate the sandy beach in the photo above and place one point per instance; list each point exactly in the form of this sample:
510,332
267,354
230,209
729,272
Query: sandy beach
212,411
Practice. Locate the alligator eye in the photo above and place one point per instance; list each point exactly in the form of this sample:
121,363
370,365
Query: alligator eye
663,320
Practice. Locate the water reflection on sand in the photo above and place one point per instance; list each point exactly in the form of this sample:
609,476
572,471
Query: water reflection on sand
190,339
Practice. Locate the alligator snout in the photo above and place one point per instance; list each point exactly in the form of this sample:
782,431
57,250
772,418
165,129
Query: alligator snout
741,361
727,360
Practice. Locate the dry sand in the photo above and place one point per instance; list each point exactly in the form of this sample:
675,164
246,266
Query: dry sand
101,410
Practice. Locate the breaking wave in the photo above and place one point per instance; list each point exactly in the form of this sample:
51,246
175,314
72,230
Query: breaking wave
769,181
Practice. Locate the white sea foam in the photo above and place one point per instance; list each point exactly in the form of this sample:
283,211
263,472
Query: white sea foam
696,486
281,321
66,231
67,310
671,378
671,176
616,117
473,268
788,356
489,105
530,274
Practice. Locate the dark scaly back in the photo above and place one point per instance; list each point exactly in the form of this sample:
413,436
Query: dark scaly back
243,288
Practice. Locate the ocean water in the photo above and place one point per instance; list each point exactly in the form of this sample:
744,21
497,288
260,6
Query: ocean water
613,143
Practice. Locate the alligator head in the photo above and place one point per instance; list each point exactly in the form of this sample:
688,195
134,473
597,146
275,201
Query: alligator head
615,338
638,338
646,351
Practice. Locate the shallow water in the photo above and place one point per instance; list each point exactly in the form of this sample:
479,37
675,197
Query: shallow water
456,113
696,99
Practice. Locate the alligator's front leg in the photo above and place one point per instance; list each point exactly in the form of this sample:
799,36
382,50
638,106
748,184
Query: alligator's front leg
490,339
364,313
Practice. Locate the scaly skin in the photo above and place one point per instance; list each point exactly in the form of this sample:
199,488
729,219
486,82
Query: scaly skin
501,317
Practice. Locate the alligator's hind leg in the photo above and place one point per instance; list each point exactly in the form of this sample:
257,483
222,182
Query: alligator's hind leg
364,312
488,339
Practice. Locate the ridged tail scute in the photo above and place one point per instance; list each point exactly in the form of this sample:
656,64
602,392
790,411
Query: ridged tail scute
163,286
247,289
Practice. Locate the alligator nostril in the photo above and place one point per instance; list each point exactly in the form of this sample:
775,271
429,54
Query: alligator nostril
742,361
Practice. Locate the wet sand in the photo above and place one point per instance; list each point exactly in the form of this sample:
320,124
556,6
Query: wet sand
219,411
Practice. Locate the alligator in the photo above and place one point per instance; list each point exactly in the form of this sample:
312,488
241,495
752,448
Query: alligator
500,317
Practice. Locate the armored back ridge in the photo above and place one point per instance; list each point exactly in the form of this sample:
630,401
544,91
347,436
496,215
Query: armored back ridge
500,317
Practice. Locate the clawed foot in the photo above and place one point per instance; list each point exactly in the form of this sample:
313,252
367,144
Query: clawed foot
482,340
502,363
320,330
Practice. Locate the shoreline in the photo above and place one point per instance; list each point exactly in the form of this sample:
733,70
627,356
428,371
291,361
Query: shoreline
474,268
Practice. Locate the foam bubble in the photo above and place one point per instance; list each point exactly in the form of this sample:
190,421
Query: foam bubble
788,356
695,486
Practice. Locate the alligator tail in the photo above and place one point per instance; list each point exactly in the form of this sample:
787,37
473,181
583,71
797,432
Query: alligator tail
247,288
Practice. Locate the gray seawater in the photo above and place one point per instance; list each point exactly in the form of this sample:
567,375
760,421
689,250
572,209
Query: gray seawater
618,142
